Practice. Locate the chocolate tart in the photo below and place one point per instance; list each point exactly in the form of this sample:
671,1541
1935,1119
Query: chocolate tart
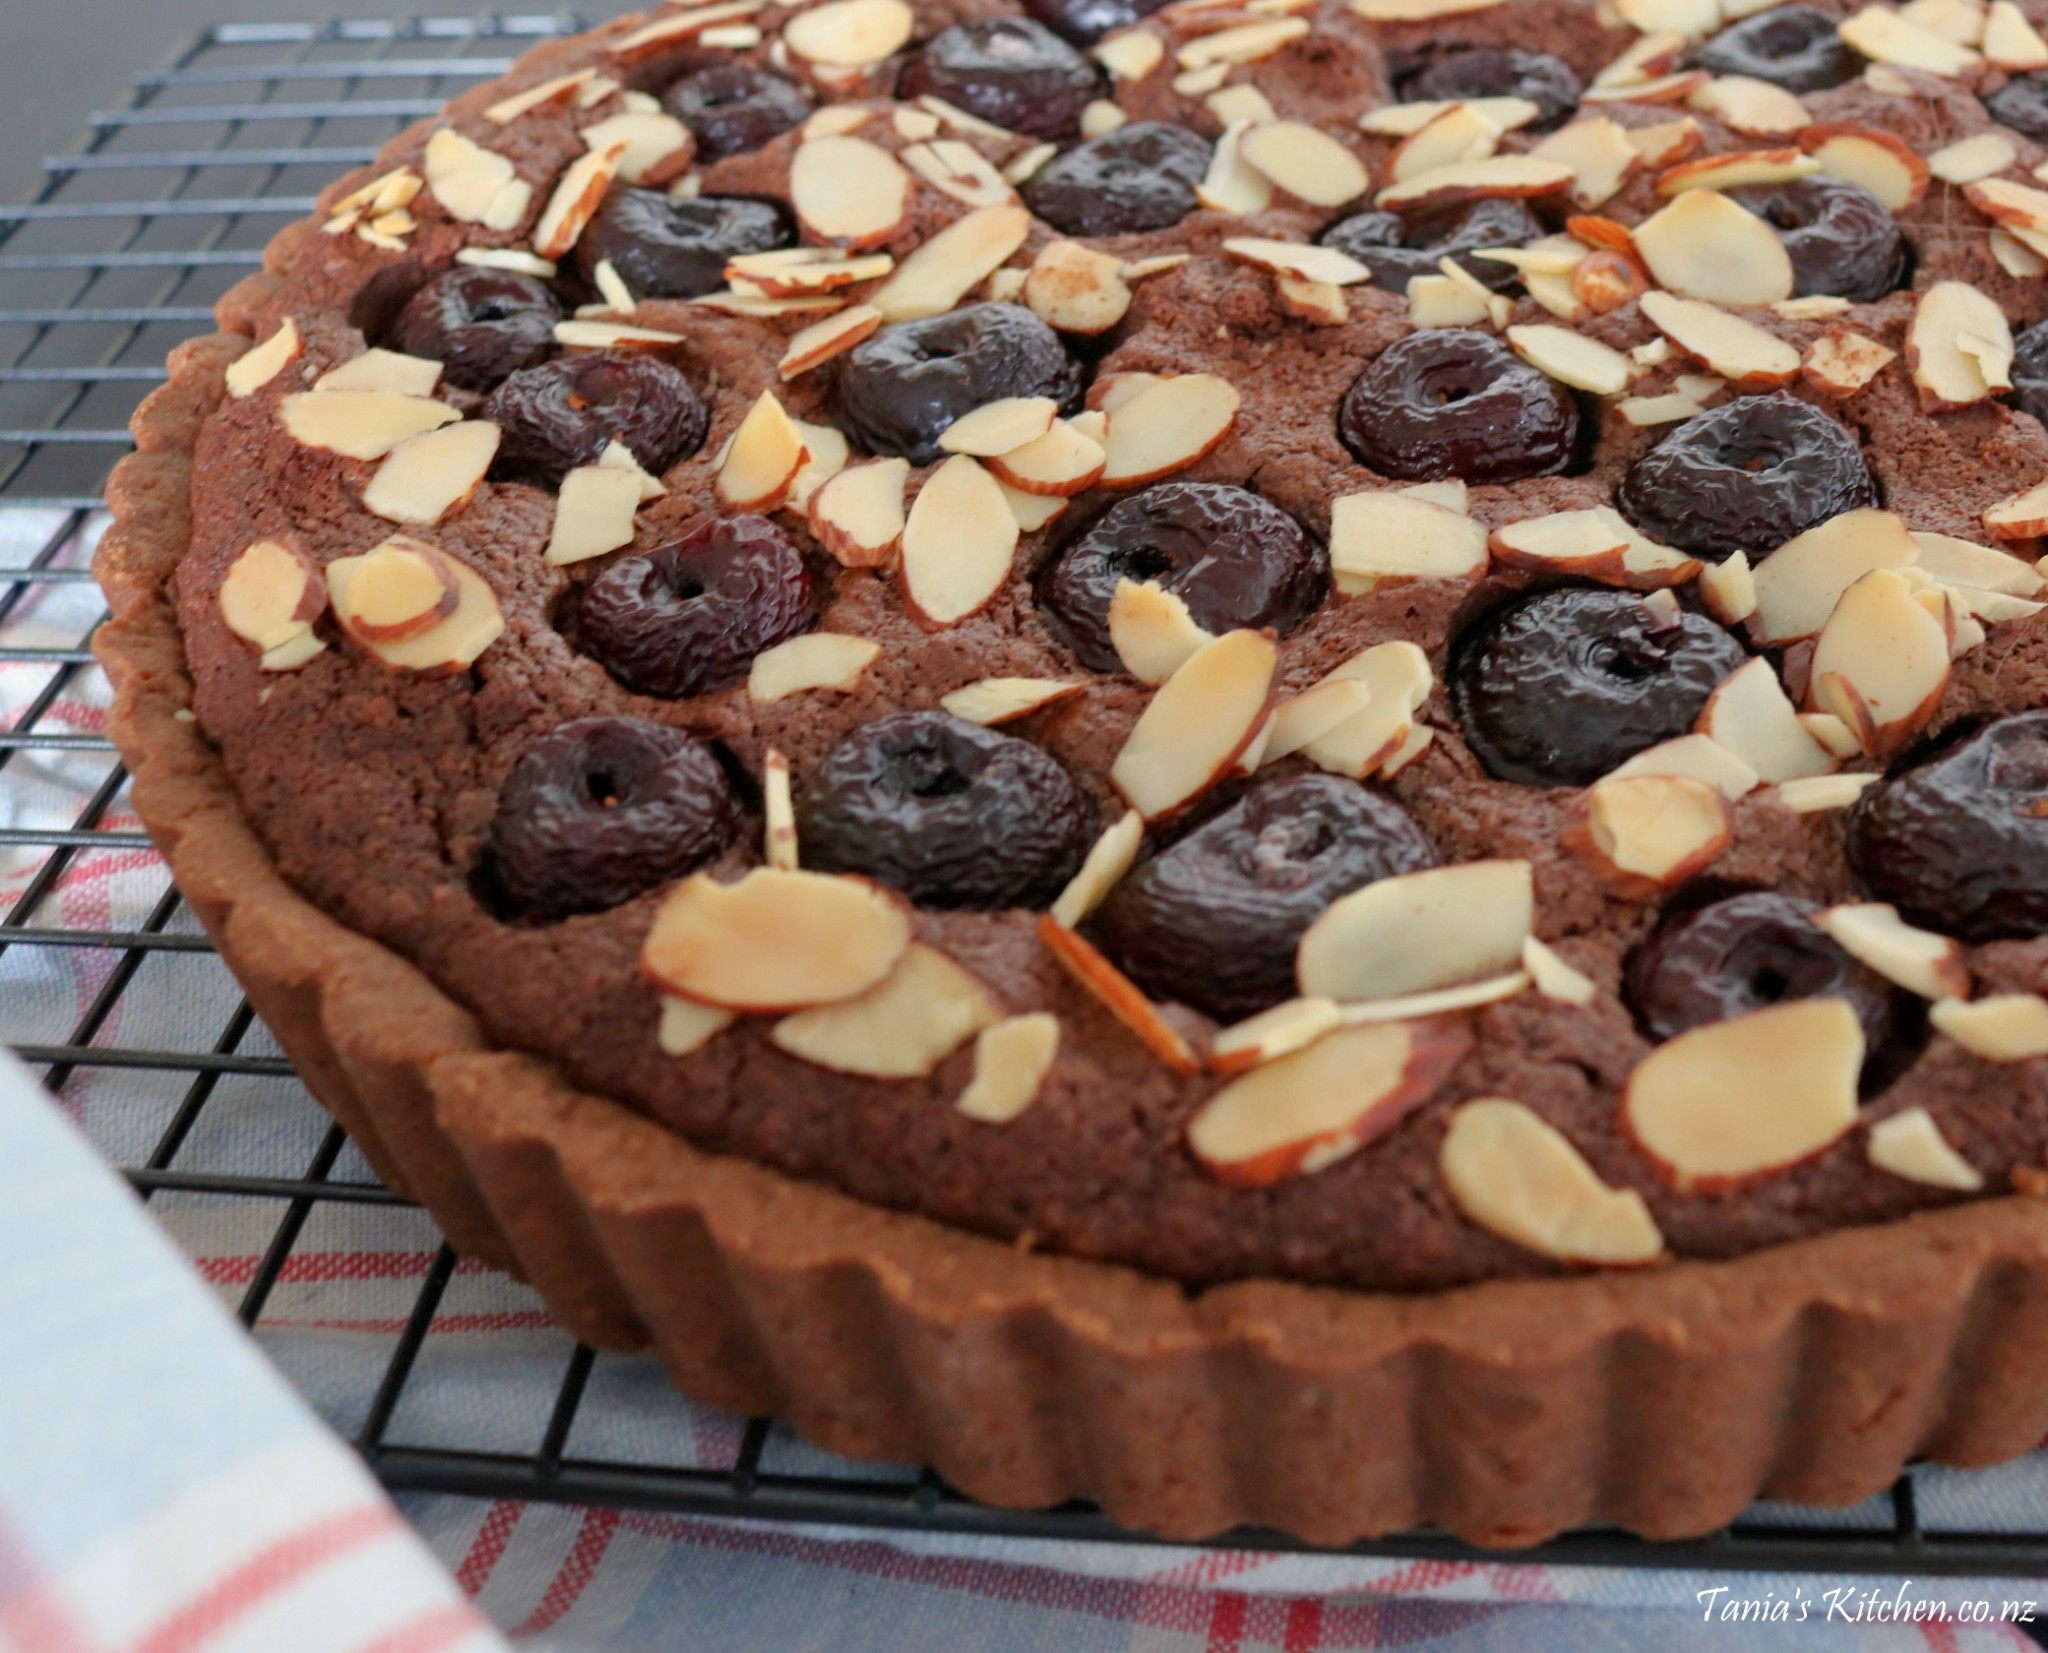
1384,1317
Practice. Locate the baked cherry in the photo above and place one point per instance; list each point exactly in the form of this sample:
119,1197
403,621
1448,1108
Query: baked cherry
678,249
950,813
1213,920
688,618
1010,71
1086,21
2022,104
566,412
481,325
1746,476
1796,47
1451,401
1562,686
1236,560
605,808
1747,952
1398,249
1466,72
1842,240
733,107
1959,843
2030,371
897,392
1142,176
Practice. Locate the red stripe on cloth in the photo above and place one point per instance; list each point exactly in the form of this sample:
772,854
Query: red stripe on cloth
325,1267
578,1568
33,1619
266,1574
1226,1622
499,1522
433,1630
1304,1631
508,1320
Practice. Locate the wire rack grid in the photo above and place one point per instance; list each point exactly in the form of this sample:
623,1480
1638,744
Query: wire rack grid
447,1378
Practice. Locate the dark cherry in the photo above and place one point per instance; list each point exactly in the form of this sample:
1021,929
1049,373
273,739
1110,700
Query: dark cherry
1214,920
1562,686
481,325
734,107
1492,72
564,413
688,618
1086,21
1746,476
605,808
1397,249
1140,177
2022,104
1843,241
897,392
2030,371
1748,952
1455,402
1009,70
1959,843
1237,561
678,249
1795,47
948,812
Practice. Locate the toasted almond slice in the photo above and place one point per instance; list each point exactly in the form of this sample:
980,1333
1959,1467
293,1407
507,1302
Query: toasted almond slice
257,366
1130,54
395,592
1110,857
1653,832
1418,932
1460,133
1116,993
1303,1112
1572,358
384,371
1501,176
794,271
1910,1145
1314,713
1576,542
997,700
462,633
1152,631
1885,37
295,651
1291,1025
1729,589
2010,42
952,263
1077,289
1197,724
1167,427
1755,108
957,169
1798,585
2006,1027
1671,88
1320,264
1841,363
816,660
778,810
687,1027
1948,370
850,34
1600,156
775,940
1704,246
1882,662
1814,307
1819,793
1834,736
1232,184
1736,349
561,89
826,452
432,475
1011,1059
1750,715
1555,978
835,120
1306,162
1983,155
577,197
1879,161
1032,511
1735,169
765,454
1920,961
1397,535
1696,757
1742,1098
849,190
1518,1176
595,512
857,514
1644,411
678,28
1064,461
360,424
820,342
1247,43
1402,120
998,426
658,146
1441,1001
902,1028
1668,142
1111,391
1959,562
959,540
2019,516
271,594
613,335
1398,680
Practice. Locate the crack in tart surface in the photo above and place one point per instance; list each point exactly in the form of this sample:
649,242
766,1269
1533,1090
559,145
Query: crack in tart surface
1374,646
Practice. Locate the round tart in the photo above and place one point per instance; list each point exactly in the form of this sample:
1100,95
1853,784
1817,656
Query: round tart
1290,713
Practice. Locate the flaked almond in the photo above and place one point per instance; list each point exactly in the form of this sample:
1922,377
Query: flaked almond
595,511
820,342
678,29
619,335
1131,54
432,475
384,371
1518,1176
790,272
1959,347
1742,1098
1232,184
766,453
2006,1027
1291,1025
1397,680
1736,169
1320,264
1798,585
957,169
849,190
1197,724
1599,543
1840,363
1244,43
1419,932
1918,960
1117,994
1077,289
998,700
1736,349
902,1028
2019,516
1402,120
1983,155
1306,162
1305,1111
1729,589
858,515
1062,462
1820,793
1910,1145
1440,1001
814,661
460,633
775,940
1877,160
1572,358
1883,36
1152,631
360,424
998,426
1751,716
1460,133
952,263
1319,303
850,34
1554,977
686,1027
2010,42
1704,246
257,366
576,199
1498,178
1960,563
1011,1059
1396,535
1755,108
959,540
1167,427
1109,858
1881,664
1312,714
659,147
271,594
1652,832
1695,757
395,592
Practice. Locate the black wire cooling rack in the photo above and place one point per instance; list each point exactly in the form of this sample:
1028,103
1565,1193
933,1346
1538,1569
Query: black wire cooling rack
119,255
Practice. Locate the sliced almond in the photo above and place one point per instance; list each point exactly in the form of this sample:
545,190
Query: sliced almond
1131,54
1572,358
1841,363
2006,1027
902,1028
1884,36
850,34
793,271
1402,120
1517,1176
1598,151
959,540
775,940
1750,715
957,169
360,424
1882,662
998,426
1729,589
765,454
1167,427
679,28
1959,562
577,197
826,452
1118,995
848,190
1245,43
1983,155
396,592
1668,142
1824,792
561,89
820,342
1879,161
858,513
1419,932
595,512
613,335
1303,1112
1799,584
1736,349
1077,289
1460,133
271,594
1395,535
1910,1145
1315,712
1736,169
1320,264
385,371
1695,757
658,146
1948,371
997,700
803,665
1232,184
1064,461
1293,1024
952,263
1653,832
1398,680
1755,108
1555,978
1197,724
1011,1060
1704,246
1306,162
432,475
687,1027
1500,177
257,366
1152,631
1738,1099
2019,516
2011,42
1110,857
1319,303
1920,961
459,635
